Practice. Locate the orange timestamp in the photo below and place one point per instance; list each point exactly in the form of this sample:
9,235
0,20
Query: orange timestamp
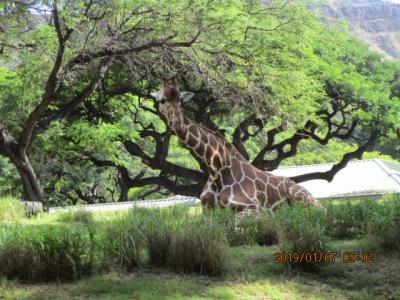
324,257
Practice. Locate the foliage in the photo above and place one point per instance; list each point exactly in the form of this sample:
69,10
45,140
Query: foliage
79,216
279,62
384,225
350,219
46,252
247,228
158,228
122,245
182,239
302,230
9,180
11,209
198,247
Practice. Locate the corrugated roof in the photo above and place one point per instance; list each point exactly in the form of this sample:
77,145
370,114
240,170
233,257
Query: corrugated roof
358,178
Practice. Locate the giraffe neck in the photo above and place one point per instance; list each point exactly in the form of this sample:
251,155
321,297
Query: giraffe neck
211,148
175,119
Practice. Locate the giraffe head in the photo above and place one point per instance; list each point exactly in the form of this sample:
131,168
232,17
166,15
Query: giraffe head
169,99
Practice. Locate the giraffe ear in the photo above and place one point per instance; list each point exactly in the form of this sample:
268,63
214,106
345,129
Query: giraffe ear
186,96
156,95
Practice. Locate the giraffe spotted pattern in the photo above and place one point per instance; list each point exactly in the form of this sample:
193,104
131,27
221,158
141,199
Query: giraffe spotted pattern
233,181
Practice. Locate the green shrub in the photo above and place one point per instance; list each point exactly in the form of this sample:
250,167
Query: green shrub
158,226
122,244
142,231
197,247
11,209
245,229
249,229
79,216
16,259
46,252
350,219
267,233
301,230
384,225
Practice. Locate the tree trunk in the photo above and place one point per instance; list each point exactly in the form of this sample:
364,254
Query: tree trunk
31,183
12,150
124,185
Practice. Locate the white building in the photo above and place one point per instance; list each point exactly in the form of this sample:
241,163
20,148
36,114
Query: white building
358,178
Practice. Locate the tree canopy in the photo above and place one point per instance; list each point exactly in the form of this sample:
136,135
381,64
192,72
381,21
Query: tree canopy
77,121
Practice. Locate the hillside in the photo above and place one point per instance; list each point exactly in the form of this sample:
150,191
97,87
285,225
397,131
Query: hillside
375,22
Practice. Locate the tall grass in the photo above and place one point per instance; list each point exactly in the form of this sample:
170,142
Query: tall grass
46,252
384,225
245,229
173,237
78,216
350,219
184,240
198,247
11,209
122,245
248,229
302,230
158,227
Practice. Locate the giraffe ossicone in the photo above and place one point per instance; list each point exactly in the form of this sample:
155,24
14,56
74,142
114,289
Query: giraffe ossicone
232,181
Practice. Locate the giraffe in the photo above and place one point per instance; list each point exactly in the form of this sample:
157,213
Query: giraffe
233,181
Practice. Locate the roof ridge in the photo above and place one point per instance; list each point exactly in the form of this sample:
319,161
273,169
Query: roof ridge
320,164
386,169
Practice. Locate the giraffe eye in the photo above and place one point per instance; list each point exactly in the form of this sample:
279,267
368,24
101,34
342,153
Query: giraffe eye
163,100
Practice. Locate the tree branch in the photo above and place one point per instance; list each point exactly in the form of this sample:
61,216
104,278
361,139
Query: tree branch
102,68
164,165
50,89
241,133
114,50
328,175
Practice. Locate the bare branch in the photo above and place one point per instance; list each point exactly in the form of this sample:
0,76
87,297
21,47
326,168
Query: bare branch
328,175
50,89
164,165
114,50
66,110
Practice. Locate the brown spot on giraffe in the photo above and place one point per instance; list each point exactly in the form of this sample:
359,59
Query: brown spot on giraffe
191,141
236,169
227,178
217,161
233,181
200,151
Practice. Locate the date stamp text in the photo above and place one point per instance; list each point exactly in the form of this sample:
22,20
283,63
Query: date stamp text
324,257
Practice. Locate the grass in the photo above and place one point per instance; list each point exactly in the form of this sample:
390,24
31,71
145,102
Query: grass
251,274
301,230
46,253
144,239
11,209
122,245
77,216
197,247
384,226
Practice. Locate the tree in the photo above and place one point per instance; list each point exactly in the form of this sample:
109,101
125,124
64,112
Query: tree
76,65
266,77
281,88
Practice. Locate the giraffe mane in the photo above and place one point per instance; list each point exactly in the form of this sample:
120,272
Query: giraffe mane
218,134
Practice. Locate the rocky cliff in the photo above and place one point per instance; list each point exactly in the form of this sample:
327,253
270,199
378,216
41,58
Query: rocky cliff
376,22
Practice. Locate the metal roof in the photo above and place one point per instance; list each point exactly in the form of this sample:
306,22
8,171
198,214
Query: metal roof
358,178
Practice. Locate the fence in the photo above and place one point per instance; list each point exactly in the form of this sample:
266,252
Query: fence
175,200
